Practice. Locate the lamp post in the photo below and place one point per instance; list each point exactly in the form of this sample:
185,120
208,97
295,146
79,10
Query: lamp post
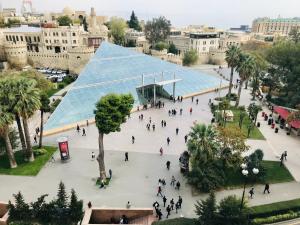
245,173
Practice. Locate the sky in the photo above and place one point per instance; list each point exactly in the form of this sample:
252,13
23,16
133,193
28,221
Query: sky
218,13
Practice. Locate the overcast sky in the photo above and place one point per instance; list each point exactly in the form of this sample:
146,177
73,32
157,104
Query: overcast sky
219,13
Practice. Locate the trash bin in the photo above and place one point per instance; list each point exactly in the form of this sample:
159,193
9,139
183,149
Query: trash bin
258,124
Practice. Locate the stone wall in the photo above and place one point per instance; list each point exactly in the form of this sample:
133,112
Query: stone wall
52,60
16,54
78,58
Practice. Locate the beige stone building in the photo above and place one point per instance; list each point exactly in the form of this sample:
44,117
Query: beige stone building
236,38
279,26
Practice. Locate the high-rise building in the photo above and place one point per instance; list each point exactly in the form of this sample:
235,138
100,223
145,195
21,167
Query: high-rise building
280,26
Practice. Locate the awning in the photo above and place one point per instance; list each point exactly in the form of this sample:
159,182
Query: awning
295,124
282,112
160,83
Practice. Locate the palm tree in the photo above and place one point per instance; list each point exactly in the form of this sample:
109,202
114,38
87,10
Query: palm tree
245,69
27,101
45,107
6,119
232,59
224,105
202,144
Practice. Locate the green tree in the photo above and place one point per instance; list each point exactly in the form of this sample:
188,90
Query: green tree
224,105
6,119
157,30
295,34
190,58
62,196
45,107
232,58
20,210
111,111
75,206
245,69
253,111
64,21
206,210
134,22
14,140
172,49
229,212
161,46
242,116
117,30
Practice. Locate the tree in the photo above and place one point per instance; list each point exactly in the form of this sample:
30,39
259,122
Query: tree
45,107
159,46
117,30
232,144
206,210
64,21
229,211
172,49
134,22
224,105
190,58
6,119
75,207
14,140
26,100
245,69
243,114
232,58
20,211
253,111
295,34
111,111
157,30
62,196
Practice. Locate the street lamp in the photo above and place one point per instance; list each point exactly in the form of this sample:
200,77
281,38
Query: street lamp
245,173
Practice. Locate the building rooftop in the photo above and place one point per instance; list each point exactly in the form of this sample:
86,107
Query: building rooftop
115,69
23,29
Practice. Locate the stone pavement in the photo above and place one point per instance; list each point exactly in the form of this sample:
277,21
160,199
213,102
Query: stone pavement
137,180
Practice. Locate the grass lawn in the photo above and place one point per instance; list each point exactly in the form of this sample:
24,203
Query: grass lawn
26,168
177,221
268,208
255,132
274,174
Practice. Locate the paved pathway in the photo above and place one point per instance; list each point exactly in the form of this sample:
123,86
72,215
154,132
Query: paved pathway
137,179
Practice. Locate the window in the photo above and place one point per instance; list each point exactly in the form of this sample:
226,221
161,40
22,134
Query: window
21,38
204,42
7,38
45,33
17,37
34,38
38,38
74,34
74,41
53,33
46,41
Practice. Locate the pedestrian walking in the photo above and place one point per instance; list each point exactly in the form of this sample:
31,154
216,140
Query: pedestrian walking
77,128
209,102
37,130
159,214
156,204
177,207
168,164
93,155
128,205
153,127
179,201
285,155
161,151
89,205
251,193
172,204
185,138
83,132
142,116
164,200
165,123
132,139
34,138
197,101
177,185
180,111
191,111
87,123
281,159
168,141
267,188
168,211
126,156
192,98
181,98
159,190
170,113
162,123
110,173
177,130
173,180
150,120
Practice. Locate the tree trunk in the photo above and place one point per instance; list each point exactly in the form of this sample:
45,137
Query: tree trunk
230,81
100,157
21,133
9,150
239,93
29,153
41,129
246,84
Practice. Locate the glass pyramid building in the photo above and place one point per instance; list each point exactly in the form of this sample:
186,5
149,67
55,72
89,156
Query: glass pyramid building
119,70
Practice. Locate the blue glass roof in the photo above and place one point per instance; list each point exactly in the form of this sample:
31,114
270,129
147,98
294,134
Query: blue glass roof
119,70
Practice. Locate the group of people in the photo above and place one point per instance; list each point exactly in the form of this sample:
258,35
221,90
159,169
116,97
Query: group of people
169,207
266,190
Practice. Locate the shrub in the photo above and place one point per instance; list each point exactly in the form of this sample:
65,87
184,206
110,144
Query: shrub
242,108
190,58
159,46
61,85
39,152
232,97
277,218
69,79
54,105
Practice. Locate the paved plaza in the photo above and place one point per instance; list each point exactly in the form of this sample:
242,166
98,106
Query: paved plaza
137,180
